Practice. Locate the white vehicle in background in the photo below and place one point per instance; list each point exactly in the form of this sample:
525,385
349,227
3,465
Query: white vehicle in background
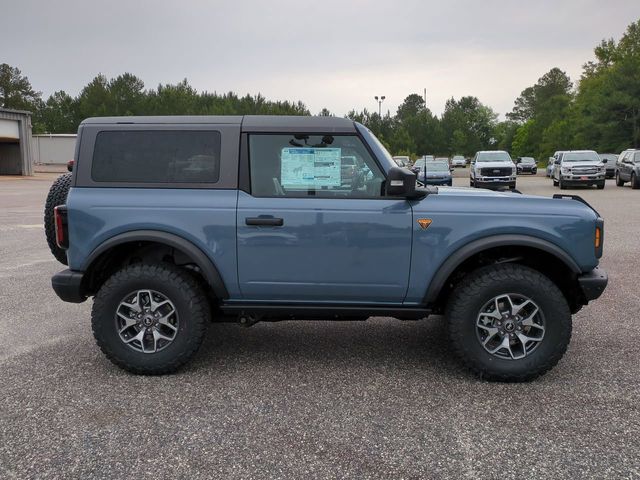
458,161
550,167
402,160
578,167
492,169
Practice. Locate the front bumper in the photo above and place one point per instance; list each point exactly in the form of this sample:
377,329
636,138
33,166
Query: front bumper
495,182
593,283
68,286
439,181
583,179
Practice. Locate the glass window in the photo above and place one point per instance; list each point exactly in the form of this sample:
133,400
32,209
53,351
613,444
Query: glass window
159,156
586,156
302,165
495,156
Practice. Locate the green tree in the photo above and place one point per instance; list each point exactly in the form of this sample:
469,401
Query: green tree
58,115
16,91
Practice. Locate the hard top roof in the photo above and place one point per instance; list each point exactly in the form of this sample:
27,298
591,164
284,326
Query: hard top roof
250,123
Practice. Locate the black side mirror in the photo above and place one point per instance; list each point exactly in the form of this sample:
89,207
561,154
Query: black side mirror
401,183
557,162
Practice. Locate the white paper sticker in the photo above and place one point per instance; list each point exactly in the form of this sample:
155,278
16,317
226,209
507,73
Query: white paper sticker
308,167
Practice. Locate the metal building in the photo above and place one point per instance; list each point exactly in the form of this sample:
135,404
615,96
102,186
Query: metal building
15,142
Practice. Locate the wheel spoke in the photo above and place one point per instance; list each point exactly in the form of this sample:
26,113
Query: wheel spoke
165,321
518,308
491,332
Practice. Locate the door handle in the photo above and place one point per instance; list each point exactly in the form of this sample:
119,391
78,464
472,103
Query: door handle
264,221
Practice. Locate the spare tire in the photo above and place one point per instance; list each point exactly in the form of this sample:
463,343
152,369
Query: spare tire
57,196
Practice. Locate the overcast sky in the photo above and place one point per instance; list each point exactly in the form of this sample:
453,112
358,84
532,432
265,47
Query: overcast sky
334,54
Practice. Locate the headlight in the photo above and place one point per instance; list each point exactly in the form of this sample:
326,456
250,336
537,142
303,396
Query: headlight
513,170
566,170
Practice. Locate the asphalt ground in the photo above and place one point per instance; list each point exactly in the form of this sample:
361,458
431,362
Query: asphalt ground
376,399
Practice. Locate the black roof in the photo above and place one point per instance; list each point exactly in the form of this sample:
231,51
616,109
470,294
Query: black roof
250,123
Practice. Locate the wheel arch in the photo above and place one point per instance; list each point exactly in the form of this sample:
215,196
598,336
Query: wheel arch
514,248
144,238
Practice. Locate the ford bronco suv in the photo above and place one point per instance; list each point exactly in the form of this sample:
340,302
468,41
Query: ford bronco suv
172,222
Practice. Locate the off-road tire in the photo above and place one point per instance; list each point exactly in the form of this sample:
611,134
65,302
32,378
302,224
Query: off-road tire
176,284
57,196
481,286
635,183
619,182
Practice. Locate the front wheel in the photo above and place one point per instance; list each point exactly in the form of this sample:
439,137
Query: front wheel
150,318
509,323
600,185
619,182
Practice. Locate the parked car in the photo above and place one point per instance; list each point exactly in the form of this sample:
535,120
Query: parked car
418,165
437,173
492,169
550,166
526,165
609,160
578,167
458,161
402,161
266,231
628,169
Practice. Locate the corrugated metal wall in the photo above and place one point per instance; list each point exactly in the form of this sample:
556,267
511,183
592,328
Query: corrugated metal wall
15,157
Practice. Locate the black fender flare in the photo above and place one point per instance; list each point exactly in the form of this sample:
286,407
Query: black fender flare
467,251
208,268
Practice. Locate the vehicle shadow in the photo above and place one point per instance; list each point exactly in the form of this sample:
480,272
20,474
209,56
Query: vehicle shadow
377,343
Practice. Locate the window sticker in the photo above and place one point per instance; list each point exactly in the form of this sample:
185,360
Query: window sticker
305,167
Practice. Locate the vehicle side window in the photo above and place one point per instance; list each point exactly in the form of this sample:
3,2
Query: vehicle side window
304,165
161,156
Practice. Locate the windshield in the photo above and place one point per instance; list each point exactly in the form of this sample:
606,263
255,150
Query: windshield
527,160
437,167
458,157
612,157
493,157
580,157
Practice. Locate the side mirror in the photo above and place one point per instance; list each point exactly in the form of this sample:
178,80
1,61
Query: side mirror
556,161
401,183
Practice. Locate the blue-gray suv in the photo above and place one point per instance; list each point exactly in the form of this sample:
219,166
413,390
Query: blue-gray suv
170,223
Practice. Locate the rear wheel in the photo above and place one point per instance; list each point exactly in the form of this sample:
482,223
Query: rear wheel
57,196
150,319
635,183
619,181
509,323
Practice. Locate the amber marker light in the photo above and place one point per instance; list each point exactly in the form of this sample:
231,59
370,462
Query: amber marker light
424,223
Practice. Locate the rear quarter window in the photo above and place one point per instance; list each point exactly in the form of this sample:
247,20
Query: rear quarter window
159,157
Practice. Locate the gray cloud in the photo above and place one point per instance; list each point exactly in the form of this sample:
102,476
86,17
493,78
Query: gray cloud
333,54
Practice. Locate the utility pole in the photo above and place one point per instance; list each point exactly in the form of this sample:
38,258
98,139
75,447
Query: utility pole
425,98
379,100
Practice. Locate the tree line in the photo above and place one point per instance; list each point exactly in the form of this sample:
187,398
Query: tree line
601,111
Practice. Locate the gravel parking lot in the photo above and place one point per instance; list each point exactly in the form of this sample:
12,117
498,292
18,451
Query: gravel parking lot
375,399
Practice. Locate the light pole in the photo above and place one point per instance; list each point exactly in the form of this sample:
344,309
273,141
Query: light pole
379,100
